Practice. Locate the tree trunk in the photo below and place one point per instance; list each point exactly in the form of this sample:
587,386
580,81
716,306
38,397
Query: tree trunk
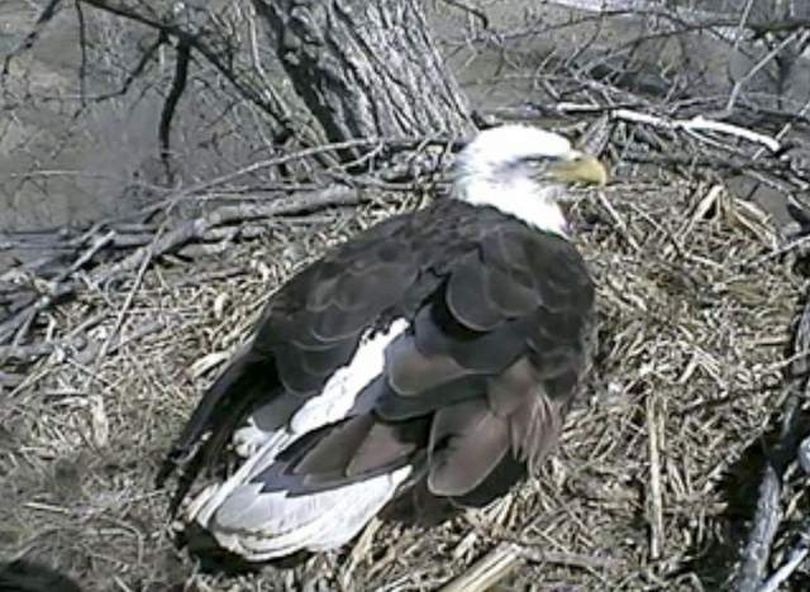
366,68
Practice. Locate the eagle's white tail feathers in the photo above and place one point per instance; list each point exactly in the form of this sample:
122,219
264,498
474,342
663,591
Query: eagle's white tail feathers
262,525
209,499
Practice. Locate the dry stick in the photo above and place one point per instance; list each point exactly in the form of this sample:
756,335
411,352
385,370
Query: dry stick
787,127
19,325
29,352
197,227
85,257
119,320
495,565
487,571
337,195
656,499
696,124
741,25
306,152
618,221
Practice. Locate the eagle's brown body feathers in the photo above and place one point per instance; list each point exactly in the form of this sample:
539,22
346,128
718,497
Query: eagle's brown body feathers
485,320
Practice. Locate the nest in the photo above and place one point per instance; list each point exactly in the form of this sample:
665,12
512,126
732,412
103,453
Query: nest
646,490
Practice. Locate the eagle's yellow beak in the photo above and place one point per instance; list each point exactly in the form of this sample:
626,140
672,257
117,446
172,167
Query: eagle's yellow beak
579,168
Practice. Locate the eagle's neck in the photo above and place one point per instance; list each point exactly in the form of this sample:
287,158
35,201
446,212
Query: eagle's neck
514,194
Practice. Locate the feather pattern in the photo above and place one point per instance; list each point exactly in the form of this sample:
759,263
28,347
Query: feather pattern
440,350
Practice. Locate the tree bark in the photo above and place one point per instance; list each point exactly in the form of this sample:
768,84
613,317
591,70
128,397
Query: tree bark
366,68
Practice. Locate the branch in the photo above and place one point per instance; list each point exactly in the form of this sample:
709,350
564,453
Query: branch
203,228
738,85
272,106
178,86
698,123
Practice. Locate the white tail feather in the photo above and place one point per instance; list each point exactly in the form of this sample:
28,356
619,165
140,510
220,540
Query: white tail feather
261,525
264,525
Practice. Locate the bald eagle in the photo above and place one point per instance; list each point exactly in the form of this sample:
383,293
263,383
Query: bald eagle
436,353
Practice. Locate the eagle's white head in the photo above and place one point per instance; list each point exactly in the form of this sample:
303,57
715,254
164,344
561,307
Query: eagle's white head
524,171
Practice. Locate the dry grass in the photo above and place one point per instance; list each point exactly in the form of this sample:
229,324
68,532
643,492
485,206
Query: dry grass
642,494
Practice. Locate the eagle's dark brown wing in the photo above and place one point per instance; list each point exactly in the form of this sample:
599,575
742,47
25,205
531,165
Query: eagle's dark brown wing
312,326
483,375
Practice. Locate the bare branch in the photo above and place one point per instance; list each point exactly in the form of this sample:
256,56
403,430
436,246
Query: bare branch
738,85
178,86
698,123
264,98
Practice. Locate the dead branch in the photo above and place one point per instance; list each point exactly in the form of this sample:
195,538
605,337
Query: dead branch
170,105
696,124
201,229
771,55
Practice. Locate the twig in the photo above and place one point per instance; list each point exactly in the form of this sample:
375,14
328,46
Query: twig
698,123
405,142
45,17
618,221
741,26
495,565
119,319
25,353
487,571
85,257
656,502
196,228
14,329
